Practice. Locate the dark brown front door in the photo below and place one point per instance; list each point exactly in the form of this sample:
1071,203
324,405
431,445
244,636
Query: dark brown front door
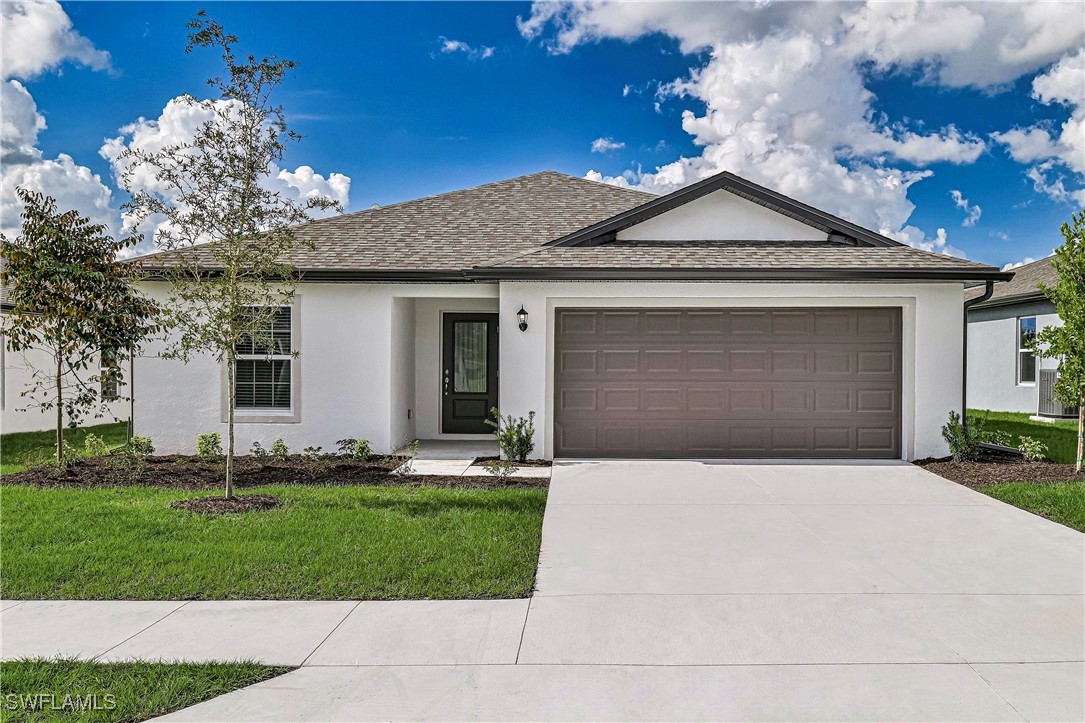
822,382
468,372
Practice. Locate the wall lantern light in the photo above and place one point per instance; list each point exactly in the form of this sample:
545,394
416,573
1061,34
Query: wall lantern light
521,316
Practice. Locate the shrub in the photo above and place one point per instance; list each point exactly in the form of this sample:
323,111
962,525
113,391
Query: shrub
95,446
209,446
409,450
501,468
1031,448
964,438
279,451
257,451
998,436
131,459
313,453
515,435
355,448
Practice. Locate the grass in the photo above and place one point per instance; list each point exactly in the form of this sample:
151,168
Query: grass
1063,502
1060,437
324,543
20,450
115,692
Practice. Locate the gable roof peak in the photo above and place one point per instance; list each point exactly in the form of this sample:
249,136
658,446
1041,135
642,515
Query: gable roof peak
727,181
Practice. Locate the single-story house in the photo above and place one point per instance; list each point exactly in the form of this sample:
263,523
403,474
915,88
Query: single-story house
722,320
1003,375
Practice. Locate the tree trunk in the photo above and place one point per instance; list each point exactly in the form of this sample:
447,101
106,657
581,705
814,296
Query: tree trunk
60,415
1080,431
230,382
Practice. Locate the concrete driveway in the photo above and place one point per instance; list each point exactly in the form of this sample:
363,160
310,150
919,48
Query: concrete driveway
719,591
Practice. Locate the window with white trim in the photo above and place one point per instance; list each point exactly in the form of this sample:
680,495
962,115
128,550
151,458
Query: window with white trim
110,376
1026,360
264,365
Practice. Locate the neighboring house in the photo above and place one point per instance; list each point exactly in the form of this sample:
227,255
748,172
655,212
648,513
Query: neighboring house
722,320
1003,375
18,413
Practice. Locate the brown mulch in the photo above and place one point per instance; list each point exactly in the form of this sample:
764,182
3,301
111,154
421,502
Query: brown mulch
990,472
189,473
481,462
228,505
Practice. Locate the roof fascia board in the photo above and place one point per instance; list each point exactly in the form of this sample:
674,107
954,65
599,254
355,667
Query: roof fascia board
612,274
730,182
1012,299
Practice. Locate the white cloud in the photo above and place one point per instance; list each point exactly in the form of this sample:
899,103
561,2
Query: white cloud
176,125
1018,264
38,37
1063,84
606,145
458,46
973,213
785,96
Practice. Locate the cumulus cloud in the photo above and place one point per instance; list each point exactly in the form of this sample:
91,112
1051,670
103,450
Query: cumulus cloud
1018,264
1052,154
784,94
606,145
972,213
449,46
37,38
177,125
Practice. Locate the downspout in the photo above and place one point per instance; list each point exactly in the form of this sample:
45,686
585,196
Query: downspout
964,351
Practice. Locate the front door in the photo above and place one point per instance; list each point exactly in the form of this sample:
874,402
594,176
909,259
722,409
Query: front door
468,372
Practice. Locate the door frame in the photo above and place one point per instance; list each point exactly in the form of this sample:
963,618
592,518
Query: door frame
447,320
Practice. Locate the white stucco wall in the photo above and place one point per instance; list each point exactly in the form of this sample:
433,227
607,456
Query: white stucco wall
992,365
16,411
932,348
721,216
362,347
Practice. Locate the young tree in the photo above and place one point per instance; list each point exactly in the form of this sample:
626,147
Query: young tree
223,293
1067,342
71,297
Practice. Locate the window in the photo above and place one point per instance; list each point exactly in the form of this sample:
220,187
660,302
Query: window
264,364
1026,360
110,376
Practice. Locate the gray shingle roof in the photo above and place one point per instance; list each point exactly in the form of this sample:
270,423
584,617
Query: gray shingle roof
479,232
1025,282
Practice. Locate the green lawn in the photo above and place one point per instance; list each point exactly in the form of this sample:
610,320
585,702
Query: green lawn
20,450
47,690
1062,502
1060,437
324,543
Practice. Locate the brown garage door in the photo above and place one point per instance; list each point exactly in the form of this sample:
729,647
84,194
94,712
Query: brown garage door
727,382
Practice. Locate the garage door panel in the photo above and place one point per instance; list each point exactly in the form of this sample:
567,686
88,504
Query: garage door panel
711,382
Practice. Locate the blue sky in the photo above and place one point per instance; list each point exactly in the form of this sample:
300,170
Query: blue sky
378,101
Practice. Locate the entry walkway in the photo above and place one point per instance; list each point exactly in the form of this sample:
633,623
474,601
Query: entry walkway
672,590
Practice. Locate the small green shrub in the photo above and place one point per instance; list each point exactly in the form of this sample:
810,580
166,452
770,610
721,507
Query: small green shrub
500,468
258,452
95,446
313,453
131,459
998,436
408,450
279,451
964,438
515,435
355,448
1031,448
209,446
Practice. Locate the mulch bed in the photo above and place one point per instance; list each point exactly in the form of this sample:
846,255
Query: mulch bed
189,473
481,462
232,505
998,471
